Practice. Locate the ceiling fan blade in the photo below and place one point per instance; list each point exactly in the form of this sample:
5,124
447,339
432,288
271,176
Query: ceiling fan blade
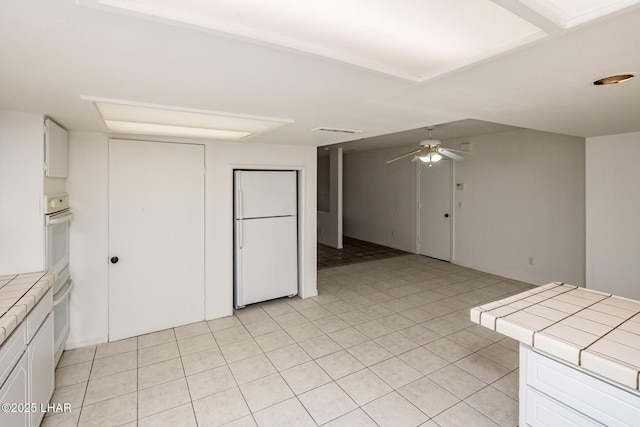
405,155
449,154
459,151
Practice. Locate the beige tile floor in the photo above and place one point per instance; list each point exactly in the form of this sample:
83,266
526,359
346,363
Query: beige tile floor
385,343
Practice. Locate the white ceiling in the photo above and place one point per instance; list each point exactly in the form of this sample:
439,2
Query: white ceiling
56,51
411,39
445,131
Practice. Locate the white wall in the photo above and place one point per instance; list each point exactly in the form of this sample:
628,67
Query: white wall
21,192
523,197
88,190
613,214
330,222
379,202
87,187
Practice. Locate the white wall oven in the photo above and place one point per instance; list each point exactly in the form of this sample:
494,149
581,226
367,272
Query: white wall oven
57,222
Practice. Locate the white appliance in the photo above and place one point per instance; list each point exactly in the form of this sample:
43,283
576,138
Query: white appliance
266,235
58,220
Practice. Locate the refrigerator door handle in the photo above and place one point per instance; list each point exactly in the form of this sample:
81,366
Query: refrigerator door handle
240,205
240,237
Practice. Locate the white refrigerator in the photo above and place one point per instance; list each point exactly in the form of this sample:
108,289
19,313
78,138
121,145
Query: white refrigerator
266,236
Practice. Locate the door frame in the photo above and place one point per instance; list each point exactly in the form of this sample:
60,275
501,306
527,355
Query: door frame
452,215
110,253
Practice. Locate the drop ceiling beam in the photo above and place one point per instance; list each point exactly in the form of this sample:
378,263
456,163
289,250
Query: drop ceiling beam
550,25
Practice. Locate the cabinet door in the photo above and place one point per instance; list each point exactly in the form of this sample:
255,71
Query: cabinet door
56,150
609,405
41,374
14,390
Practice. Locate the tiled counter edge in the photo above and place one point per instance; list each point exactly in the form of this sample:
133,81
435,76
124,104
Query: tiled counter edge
23,292
596,331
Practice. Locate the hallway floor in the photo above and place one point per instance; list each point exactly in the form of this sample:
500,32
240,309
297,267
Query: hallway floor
386,343
354,251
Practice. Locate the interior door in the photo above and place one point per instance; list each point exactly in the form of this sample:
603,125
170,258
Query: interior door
435,190
156,236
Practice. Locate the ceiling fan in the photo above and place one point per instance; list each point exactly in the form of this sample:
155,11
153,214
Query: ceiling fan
430,151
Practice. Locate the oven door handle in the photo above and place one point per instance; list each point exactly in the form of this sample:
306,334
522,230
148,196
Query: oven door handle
59,219
63,293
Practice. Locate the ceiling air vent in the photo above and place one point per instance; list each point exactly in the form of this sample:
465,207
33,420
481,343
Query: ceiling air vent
336,130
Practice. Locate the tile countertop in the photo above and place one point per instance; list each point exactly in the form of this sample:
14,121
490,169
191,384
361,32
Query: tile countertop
19,293
597,331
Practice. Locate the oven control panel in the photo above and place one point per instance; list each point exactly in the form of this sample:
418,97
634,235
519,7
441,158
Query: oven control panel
55,202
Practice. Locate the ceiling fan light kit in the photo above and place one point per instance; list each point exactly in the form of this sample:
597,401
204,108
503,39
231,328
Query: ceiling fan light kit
430,151
432,157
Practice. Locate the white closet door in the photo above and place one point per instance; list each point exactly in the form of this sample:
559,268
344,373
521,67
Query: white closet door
156,232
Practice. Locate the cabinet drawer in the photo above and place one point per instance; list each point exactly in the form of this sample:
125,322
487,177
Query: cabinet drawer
597,399
542,411
38,314
11,350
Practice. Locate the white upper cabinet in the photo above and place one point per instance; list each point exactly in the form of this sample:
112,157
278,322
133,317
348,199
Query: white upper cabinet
56,150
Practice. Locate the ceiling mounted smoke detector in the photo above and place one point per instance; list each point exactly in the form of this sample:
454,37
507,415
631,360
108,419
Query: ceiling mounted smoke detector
610,80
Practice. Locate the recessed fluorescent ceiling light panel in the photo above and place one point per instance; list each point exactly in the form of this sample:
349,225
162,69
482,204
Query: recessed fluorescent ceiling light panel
412,39
149,119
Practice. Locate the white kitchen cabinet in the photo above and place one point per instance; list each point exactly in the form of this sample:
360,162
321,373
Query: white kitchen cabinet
27,375
41,370
554,393
15,390
56,150
11,350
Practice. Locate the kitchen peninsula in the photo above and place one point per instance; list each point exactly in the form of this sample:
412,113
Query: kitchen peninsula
579,354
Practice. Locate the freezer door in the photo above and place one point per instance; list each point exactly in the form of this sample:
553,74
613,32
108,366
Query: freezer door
261,194
266,259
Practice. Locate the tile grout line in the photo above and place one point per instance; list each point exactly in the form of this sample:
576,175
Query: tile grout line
193,409
353,325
